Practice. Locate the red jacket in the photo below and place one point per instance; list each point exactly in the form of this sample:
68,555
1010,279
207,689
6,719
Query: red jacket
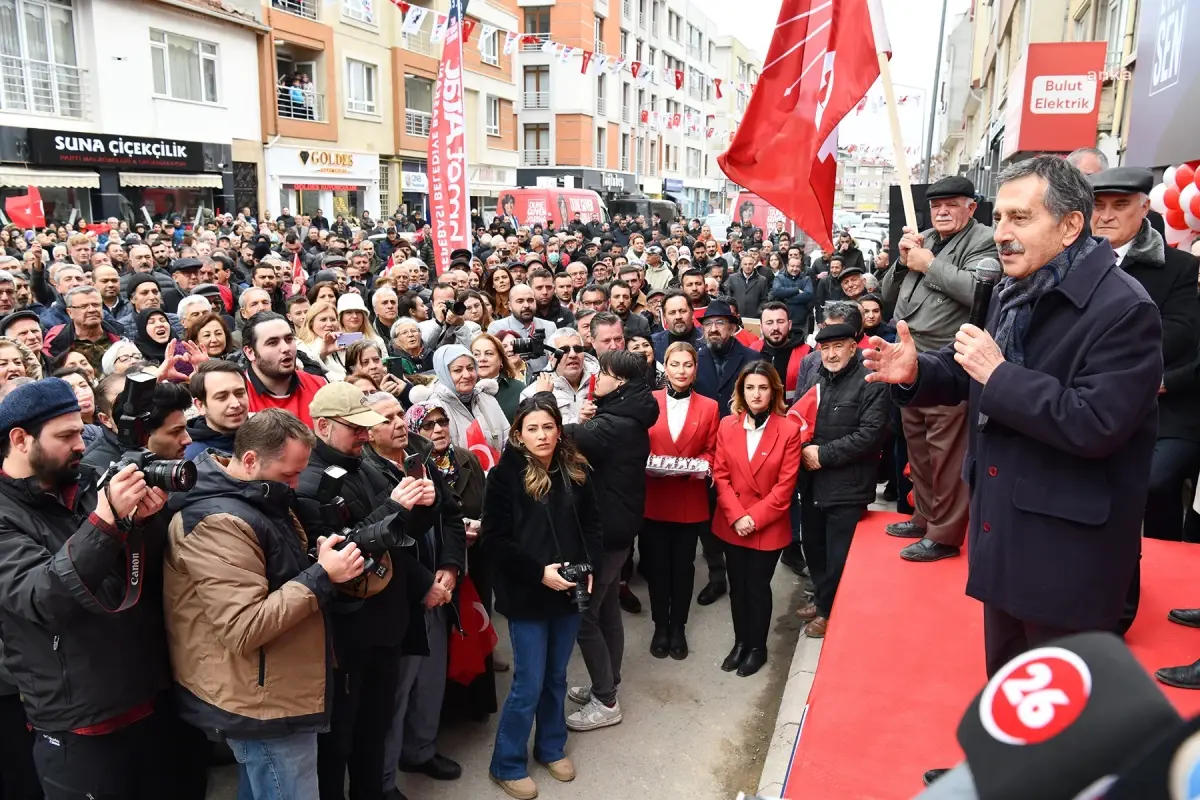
682,499
762,488
297,402
792,379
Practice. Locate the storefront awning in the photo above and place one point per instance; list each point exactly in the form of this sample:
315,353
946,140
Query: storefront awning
49,178
161,180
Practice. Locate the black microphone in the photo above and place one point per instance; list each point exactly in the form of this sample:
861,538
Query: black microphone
987,275
1056,720
1165,770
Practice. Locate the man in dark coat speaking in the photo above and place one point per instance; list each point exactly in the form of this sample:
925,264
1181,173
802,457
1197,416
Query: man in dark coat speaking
1062,414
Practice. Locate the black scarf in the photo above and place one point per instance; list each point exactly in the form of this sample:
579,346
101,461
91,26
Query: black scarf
678,395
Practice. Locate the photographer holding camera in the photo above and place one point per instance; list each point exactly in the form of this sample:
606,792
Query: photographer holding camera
541,530
164,407
522,306
86,650
448,325
373,616
246,608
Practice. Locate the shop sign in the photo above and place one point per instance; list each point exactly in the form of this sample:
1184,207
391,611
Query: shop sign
75,149
1166,85
672,184
414,182
1055,101
293,164
326,187
496,176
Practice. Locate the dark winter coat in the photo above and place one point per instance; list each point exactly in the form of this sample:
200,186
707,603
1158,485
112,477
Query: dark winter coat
616,442
1058,475
852,423
750,293
205,438
557,313
664,339
521,536
797,292
1169,276
721,389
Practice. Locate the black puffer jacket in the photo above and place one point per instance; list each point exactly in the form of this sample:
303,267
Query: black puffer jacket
103,452
76,663
383,619
520,536
852,421
616,442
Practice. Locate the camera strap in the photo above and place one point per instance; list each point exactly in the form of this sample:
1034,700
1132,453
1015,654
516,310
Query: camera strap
135,561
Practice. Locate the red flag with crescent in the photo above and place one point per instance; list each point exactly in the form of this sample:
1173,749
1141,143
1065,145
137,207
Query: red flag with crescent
477,443
474,641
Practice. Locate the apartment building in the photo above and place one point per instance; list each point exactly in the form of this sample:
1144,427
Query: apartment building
119,108
588,130
863,183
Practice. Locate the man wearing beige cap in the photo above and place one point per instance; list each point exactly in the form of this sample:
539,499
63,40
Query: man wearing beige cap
367,636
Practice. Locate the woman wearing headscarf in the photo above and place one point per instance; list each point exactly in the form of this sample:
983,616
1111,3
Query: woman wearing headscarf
153,334
464,396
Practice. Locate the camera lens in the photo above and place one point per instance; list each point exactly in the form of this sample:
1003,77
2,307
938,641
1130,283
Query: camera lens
171,476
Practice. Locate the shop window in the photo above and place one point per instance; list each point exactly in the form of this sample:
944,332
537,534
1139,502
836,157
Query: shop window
493,116
184,69
360,87
38,70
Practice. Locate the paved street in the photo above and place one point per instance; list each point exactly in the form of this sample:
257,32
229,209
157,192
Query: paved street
689,730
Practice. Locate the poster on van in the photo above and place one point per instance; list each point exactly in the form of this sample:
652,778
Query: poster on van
535,206
750,209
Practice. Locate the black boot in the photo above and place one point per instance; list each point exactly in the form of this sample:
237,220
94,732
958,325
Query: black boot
734,659
793,559
678,645
660,642
711,593
753,662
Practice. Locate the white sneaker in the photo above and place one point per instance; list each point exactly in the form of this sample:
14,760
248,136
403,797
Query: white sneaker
594,715
579,694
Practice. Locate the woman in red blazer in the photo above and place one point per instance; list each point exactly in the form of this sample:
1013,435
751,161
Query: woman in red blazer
758,456
676,508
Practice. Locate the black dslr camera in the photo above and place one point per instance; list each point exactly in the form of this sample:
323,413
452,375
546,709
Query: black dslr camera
136,402
374,539
577,574
456,307
532,347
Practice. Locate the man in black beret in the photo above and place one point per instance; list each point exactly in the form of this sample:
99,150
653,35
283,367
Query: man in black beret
932,284
1169,276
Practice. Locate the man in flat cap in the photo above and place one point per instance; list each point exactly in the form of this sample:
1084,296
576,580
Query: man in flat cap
932,284
1169,276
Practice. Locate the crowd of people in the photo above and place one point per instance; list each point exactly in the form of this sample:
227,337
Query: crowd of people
251,471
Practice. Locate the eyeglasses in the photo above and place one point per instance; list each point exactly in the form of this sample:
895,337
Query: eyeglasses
577,349
356,429
88,306
124,357
430,424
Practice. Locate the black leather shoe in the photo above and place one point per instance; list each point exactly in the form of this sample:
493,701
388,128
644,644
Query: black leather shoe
711,593
660,642
734,659
678,644
793,559
1185,616
1180,677
628,600
905,530
932,775
753,662
928,550
439,768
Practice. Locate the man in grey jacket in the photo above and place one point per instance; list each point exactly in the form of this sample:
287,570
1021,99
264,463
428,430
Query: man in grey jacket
932,285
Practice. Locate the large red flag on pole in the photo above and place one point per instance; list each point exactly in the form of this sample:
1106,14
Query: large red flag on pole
822,60
26,211
449,198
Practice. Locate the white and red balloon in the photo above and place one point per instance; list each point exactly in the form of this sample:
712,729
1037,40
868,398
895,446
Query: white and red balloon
1177,198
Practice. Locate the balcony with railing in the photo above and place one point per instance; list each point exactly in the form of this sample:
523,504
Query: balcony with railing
625,163
534,42
625,113
601,107
535,158
599,47
641,20
416,123
627,9
301,8
653,168
418,43
601,160
534,101
39,87
640,170
305,105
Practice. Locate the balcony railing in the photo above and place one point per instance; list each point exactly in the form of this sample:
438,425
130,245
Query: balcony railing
693,172
301,8
653,167
311,108
625,163
416,123
694,52
417,43
535,158
641,20
627,9
599,47
537,100
639,167
624,113
531,44
39,87
601,160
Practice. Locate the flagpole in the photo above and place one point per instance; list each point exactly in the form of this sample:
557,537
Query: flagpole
889,94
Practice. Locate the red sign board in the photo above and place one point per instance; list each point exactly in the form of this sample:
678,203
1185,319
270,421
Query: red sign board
326,187
1054,98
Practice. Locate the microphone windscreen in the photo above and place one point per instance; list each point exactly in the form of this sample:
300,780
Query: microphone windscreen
957,784
1056,719
1169,768
988,270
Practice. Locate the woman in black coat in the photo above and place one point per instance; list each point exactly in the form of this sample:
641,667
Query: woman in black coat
540,519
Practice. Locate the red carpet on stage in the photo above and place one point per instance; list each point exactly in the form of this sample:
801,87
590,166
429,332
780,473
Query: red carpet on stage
904,657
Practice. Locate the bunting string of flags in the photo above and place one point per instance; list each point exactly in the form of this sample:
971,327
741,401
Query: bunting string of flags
591,63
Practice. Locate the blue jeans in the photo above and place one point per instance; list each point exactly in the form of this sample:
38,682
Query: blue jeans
277,769
541,650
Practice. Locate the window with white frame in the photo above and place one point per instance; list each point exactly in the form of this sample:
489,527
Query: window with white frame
361,87
39,70
359,10
489,48
601,148
184,68
493,116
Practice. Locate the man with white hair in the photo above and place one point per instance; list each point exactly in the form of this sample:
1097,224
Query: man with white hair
385,303
8,285
414,267
572,373
1088,160
191,308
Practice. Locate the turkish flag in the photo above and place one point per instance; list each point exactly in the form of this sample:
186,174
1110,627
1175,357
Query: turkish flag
478,444
587,59
391,264
474,641
804,413
26,211
635,67
678,79
468,25
297,270
717,86
645,116
821,62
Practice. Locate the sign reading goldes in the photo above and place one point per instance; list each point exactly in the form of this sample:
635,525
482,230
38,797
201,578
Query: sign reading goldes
328,162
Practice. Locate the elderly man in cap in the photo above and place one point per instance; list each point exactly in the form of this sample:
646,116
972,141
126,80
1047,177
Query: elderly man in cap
659,274
854,283
1169,276
932,285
